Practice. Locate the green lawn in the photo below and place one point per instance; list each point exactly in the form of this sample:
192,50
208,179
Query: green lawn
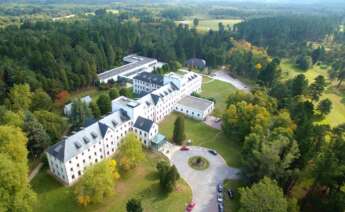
337,116
218,90
203,135
141,183
206,24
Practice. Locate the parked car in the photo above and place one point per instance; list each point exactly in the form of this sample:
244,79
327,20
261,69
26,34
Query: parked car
220,207
184,148
220,197
212,152
190,206
220,187
230,193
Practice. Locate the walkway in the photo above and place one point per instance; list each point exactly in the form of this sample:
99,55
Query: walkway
203,183
225,77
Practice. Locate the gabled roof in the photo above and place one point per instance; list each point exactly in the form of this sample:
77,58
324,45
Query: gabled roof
143,124
150,78
155,98
80,141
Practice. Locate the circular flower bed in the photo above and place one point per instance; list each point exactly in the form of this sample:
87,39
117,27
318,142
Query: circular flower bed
198,163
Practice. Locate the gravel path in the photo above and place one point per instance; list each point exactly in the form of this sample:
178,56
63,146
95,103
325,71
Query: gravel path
203,183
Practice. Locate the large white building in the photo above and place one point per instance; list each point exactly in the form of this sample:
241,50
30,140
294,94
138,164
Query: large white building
135,65
69,158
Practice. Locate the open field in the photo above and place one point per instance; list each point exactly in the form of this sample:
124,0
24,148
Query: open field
205,136
142,183
337,116
207,24
218,90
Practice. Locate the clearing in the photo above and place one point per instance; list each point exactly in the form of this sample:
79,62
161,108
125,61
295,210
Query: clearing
141,183
210,24
337,115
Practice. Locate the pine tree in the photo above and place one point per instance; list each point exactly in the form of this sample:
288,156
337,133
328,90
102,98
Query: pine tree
179,134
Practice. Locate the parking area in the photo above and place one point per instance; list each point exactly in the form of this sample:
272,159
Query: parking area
203,183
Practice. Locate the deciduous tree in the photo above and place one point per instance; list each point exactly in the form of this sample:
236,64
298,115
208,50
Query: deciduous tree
104,104
20,97
264,196
134,205
131,152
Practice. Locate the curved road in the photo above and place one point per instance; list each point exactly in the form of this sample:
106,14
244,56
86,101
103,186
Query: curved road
203,183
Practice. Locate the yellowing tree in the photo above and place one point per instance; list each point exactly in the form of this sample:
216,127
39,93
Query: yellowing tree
97,183
20,97
131,152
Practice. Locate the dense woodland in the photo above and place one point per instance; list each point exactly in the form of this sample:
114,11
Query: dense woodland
277,125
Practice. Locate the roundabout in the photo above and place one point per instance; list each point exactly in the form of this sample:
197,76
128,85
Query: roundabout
203,182
198,163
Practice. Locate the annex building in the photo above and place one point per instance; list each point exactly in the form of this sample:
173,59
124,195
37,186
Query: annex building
160,95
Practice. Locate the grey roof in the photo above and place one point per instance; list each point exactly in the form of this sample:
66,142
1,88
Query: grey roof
155,98
195,103
200,63
133,65
150,78
143,124
83,139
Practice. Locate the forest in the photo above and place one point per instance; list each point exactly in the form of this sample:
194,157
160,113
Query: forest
279,127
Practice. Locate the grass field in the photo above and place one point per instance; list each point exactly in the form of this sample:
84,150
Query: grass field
207,24
218,90
141,183
337,116
205,136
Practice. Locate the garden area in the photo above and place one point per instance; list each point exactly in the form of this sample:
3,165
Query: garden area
337,115
141,183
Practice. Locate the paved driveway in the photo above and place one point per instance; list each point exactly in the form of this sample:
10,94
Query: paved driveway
203,183
214,122
225,77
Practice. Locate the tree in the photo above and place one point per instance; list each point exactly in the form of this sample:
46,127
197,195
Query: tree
97,182
15,191
38,139
80,113
104,104
20,97
41,101
271,73
264,196
62,97
195,22
113,93
13,119
125,92
95,110
134,205
304,62
168,175
54,124
299,85
325,107
179,134
131,152
317,88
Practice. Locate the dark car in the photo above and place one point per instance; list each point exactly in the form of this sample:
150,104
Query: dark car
230,193
212,152
220,187
220,207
